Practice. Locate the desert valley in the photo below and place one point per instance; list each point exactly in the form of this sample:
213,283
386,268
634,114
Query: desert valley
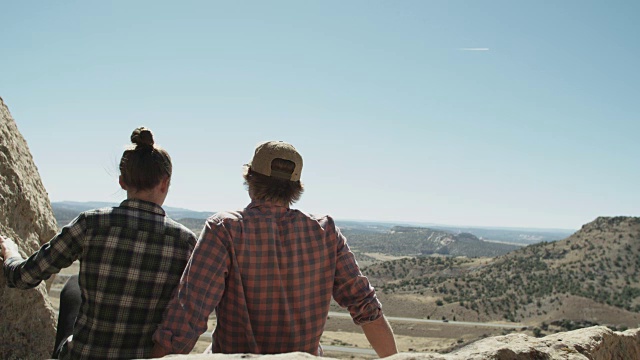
443,288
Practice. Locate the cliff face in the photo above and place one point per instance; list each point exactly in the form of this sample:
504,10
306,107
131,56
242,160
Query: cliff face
27,321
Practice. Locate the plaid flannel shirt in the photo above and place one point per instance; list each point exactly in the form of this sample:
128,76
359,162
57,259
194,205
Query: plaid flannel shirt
131,259
269,272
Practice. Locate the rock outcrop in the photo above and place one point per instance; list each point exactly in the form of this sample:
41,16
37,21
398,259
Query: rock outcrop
594,343
27,321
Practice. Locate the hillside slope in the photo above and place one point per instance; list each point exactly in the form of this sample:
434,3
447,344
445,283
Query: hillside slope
592,277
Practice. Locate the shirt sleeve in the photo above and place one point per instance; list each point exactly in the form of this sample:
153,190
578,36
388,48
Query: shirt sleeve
199,292
60,252
351,289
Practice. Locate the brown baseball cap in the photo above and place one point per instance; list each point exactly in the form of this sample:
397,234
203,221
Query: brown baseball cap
266,152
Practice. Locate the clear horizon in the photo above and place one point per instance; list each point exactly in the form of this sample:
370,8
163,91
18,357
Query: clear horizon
383,222
486,113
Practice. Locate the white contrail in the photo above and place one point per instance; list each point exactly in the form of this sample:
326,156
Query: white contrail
473,49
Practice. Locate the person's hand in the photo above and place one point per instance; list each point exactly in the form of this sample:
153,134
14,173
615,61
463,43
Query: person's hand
158,351
8,248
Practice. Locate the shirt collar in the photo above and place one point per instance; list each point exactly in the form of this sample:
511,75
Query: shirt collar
143,205
266,204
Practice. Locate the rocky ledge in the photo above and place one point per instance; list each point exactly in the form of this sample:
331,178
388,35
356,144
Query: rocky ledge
594,343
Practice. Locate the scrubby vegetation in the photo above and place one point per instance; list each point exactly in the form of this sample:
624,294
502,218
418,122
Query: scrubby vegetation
601,262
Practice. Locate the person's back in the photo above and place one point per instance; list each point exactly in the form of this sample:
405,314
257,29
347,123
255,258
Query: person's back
270,272
131,259
284,265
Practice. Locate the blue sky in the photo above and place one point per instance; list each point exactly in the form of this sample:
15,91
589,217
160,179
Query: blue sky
396,118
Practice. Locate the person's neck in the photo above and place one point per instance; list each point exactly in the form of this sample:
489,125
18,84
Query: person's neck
149,196
274,202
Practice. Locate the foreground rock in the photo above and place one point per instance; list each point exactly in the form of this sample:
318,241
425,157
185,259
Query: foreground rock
27,321
594,343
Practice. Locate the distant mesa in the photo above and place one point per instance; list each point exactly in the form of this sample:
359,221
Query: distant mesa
421,241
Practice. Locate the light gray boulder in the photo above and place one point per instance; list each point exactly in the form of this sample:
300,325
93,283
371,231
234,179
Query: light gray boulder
594,343
27,320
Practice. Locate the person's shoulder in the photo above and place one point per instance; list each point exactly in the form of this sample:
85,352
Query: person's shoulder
226,217
317,217
89,218
93,215
176,225
97,212
324,220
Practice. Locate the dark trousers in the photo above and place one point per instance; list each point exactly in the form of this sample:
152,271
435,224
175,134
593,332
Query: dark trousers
70,300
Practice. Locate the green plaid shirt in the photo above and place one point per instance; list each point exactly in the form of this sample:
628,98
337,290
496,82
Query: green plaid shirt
131,260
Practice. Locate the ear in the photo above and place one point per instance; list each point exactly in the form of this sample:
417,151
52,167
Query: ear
122,184
164,184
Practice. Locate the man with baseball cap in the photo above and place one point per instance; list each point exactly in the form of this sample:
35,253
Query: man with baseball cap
269,272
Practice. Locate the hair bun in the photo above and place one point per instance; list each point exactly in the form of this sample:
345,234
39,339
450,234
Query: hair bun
142,136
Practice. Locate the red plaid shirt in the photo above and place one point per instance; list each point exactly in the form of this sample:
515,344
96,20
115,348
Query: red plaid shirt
269,272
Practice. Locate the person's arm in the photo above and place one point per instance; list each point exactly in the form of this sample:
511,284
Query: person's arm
352,290
58,253
380,336
200,289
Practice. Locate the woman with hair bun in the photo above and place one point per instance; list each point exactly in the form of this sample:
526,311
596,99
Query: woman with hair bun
131,259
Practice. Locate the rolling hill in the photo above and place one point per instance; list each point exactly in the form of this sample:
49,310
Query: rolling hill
592,277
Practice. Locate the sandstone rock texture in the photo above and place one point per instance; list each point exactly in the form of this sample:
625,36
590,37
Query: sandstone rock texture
594,343
27,321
